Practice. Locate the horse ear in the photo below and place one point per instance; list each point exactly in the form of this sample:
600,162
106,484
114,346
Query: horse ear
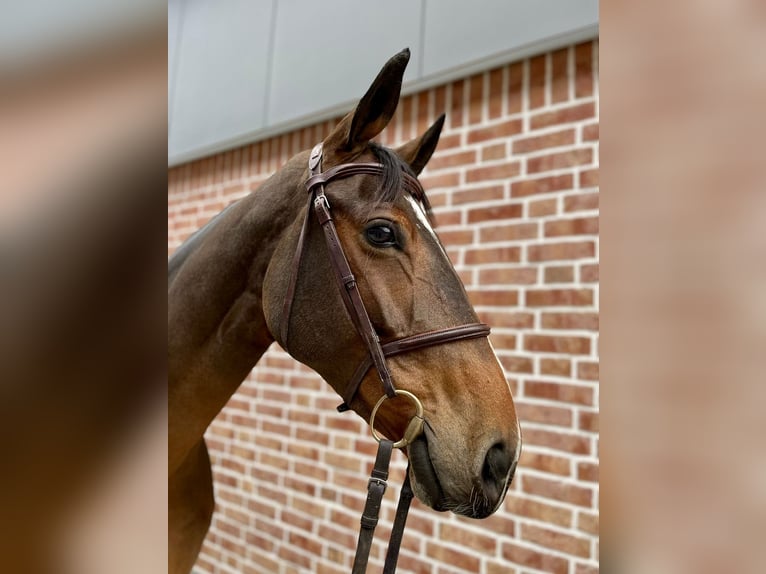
374,110
418,151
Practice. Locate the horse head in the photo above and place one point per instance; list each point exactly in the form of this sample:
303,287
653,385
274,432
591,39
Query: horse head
466,456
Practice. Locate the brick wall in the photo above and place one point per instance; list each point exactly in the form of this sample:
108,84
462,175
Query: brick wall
514,185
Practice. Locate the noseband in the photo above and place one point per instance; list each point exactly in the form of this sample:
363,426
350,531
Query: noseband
377,352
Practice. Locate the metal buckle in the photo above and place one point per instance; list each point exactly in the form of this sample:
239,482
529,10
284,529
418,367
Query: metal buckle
322,199
415,426
379,481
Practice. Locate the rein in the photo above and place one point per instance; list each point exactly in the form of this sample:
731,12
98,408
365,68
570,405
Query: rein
377,352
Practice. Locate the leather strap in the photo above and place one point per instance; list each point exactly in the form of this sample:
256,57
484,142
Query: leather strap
348,287
400,521
376,487
413,343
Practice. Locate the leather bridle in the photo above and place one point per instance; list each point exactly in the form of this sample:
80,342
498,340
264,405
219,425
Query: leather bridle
377,352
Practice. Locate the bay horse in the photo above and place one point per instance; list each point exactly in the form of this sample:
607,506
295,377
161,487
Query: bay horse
266,270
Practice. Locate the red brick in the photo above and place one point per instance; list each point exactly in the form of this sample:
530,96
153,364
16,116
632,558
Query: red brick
544,414
447,142
459,158
559,297
560,541
557,367
588,421
586,569
563,116
495,212
561,251
514,364
537,81
468,538
581,202
587,371
559,274
495,99
587,472
444,218
557,490
423,120
503,342
560,76
508,276
409,563
557,344
485,255
497,568
512,232
575,394
560,160
588,178
486,193
542,207
496,171
542,511
584,70
549,463
538,560
562,441
455,117
589,273
502,130
494,297
429,181
456,237
494,151
515,87
590,132
587,522
451,556
497,525
536,143
502,319
585,321
286,553
575,226
476,98
541,185
343,461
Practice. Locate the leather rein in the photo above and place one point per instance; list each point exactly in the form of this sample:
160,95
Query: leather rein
377,351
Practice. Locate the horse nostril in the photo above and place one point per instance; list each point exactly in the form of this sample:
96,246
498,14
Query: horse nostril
496,468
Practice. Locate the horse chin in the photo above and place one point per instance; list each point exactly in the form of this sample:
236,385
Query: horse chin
426,484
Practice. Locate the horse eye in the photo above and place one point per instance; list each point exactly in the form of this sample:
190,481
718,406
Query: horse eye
381,236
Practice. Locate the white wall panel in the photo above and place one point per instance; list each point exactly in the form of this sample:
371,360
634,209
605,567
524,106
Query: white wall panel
221,72
243,70
327,53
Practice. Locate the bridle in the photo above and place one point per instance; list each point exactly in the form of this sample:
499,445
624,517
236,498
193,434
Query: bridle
377,352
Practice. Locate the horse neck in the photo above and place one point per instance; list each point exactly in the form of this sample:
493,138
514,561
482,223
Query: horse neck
216,326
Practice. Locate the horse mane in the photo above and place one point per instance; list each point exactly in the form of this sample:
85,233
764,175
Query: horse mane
391,187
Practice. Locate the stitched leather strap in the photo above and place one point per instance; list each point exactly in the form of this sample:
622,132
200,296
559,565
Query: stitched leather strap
376,487
400,521
413,343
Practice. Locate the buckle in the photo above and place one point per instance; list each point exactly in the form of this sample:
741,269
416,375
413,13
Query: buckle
376,481
322,199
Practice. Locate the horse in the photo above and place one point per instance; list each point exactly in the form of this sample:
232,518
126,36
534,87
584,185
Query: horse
378,302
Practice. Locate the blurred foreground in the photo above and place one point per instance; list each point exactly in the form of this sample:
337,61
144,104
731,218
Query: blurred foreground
683,301
82,307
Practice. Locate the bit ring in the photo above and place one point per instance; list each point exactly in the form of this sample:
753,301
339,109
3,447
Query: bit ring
414,428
